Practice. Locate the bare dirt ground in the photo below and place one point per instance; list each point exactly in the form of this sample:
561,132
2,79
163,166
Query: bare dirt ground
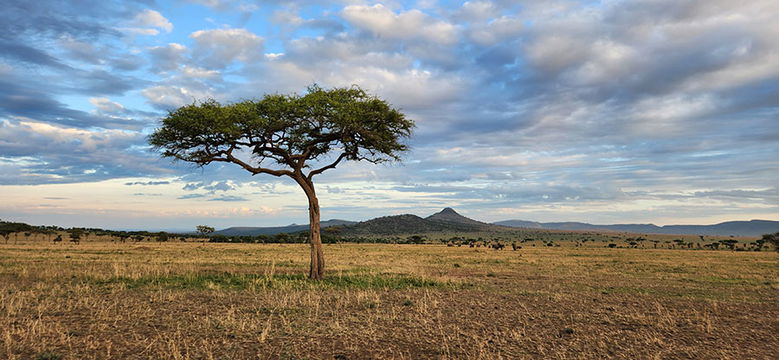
104,300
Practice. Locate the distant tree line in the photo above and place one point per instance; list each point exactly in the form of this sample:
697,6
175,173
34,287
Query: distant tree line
328,237
332,235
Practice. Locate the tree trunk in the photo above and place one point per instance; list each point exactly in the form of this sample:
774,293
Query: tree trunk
317,266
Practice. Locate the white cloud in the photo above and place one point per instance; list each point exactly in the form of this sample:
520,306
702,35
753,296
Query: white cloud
106,105
496,30
46,138
410,89
196,72
555,52
166,58
287,17
412,24
140,31
151,18
343,63
608,60
167,97
220,47
478,11
670,115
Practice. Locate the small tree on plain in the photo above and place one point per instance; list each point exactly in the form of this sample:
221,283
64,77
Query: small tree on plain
204,230
297,136
75,235
772,239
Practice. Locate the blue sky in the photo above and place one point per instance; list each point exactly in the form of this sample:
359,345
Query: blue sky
662,111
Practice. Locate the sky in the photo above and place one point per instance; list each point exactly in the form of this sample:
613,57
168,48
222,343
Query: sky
642,111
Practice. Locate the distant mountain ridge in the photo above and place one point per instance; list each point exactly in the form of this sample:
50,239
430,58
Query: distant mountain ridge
273,230
448,220
736,228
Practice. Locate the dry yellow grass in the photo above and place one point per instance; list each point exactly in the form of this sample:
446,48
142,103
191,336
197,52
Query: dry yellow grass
104,300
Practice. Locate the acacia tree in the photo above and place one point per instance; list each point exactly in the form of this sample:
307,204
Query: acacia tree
772,239
204,230
297,136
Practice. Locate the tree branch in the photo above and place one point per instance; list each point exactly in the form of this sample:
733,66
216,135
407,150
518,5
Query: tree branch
331,166
283,155
252,169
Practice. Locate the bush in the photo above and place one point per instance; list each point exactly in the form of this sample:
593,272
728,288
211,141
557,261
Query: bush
772,239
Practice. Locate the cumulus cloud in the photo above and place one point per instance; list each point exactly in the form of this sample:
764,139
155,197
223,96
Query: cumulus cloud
168,57
219,48
344,62
171,97
290,20
412,24
212,187
496,30
475,11
196,72
154,19
78,140
106,105
147,22
65,154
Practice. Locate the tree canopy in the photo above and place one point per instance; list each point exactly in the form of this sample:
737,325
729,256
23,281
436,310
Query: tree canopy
204,230
772,239
288,131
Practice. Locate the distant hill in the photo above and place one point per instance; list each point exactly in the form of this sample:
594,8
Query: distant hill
451,216
395,225
254,231
447,220
736,228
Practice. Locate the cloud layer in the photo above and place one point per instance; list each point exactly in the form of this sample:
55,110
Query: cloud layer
650,109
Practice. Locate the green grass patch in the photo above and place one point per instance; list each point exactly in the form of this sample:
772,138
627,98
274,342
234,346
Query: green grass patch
231,281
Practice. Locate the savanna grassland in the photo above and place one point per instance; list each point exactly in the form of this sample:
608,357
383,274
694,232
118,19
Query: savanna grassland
185,300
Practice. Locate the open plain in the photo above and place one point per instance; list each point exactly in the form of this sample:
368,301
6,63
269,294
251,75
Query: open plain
185,300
